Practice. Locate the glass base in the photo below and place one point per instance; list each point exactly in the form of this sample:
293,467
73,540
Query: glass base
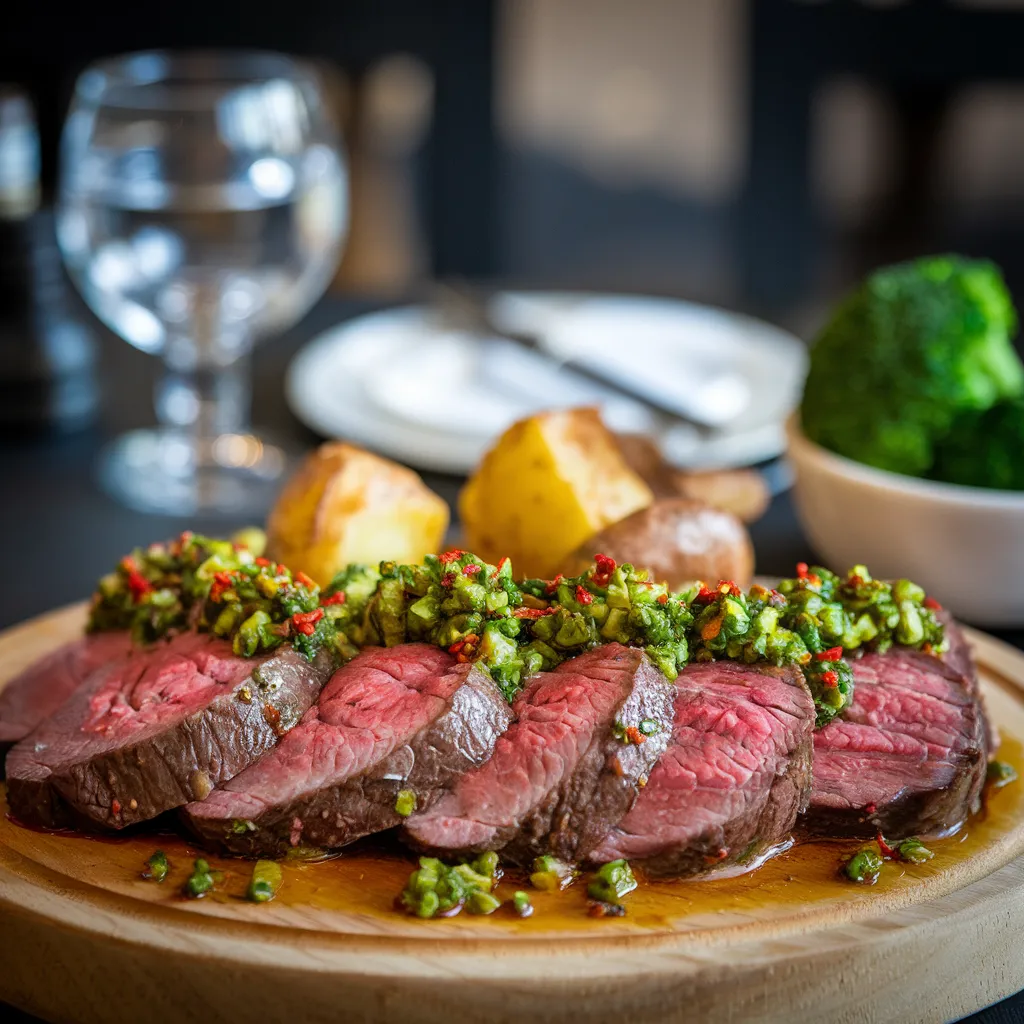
165,471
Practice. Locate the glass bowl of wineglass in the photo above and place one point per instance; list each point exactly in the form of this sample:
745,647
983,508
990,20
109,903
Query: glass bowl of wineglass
202,205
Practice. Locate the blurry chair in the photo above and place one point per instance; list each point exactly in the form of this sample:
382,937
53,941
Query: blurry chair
43,50
921,52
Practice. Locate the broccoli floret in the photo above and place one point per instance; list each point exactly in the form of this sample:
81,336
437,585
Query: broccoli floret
985,449
915,346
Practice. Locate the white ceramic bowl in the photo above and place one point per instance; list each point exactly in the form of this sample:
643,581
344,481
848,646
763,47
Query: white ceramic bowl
964,545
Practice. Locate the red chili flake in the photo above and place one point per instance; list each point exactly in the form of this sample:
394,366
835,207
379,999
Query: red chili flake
222,581
635,736
448,579
830,678
497,569
583,595
305,622
930,602
728,587
854,580
663,599
301,577
263,562
705,596
832,654
552,586
338,598
472,569
603,569
451,556
870,808
138,585
777,598
598,908
801,570
887,851
465,648
280,570
115,806
129,564
532,613
713,628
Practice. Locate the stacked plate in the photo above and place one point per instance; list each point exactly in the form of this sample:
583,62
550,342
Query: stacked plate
404,384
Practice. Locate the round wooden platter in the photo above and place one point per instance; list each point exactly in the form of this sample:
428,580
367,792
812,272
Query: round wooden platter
85,938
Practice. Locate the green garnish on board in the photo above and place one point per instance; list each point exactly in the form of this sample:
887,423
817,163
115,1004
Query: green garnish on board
200,882
437,889
611,882
864,866
265,882
157,867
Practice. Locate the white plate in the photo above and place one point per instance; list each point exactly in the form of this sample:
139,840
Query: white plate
400,383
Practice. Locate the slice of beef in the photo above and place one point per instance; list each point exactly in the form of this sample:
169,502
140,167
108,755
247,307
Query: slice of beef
907,758
156,729
567,771
735,775
405,718
958,654
35,693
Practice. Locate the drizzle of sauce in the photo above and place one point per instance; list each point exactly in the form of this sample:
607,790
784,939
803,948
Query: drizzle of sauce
350,891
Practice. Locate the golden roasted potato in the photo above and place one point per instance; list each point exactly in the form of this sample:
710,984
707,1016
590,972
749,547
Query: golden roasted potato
740,491
678,541
550,481
344,504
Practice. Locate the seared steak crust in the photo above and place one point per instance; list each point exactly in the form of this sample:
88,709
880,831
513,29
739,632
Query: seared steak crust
157,729
733,779
406,718
585,738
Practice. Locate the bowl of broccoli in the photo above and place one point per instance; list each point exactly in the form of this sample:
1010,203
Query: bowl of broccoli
908,446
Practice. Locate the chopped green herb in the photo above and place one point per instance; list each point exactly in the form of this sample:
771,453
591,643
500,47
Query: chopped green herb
405,802
240,826
265,882
1000,774
436,889
200,882
611,882
864,866
521,903
915,851
551,874
649,727
157,867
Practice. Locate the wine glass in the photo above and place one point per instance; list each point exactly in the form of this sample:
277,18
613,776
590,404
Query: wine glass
202,204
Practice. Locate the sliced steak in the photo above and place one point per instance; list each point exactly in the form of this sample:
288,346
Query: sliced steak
404,718
958,654
35,693
908,757
156,729
735,775
563,775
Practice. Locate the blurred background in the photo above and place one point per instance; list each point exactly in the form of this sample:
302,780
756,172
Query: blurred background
754,153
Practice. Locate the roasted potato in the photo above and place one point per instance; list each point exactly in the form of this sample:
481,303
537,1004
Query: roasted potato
550,481
678,541
740,491
344,504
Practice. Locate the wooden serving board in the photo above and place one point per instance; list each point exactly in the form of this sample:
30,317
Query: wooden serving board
84,938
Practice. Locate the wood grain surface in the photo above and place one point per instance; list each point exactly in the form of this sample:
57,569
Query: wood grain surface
84,938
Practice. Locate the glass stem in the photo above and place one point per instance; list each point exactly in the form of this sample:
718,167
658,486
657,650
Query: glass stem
204,391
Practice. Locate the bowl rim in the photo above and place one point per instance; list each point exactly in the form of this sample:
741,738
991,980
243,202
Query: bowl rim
952,494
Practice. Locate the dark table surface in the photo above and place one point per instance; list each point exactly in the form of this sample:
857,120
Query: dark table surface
61,532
